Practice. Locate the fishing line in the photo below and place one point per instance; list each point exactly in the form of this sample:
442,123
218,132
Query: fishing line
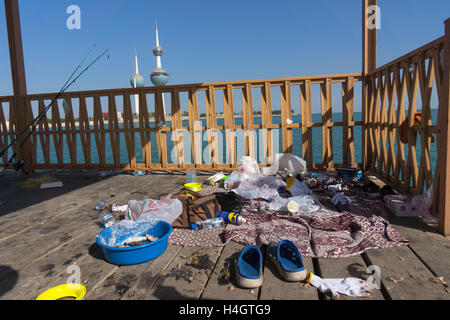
46,108
36,121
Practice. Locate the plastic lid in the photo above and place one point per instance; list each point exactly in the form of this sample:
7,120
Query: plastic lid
193,226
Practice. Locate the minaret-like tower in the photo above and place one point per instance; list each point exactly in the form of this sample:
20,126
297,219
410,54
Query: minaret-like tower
136,81
159,76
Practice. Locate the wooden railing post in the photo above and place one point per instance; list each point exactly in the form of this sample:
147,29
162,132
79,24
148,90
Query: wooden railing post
444,141
21,111
369,63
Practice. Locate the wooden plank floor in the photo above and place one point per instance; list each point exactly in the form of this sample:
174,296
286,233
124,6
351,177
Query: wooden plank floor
45,233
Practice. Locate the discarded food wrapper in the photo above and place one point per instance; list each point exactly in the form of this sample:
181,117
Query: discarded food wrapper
335,187
215,178
54,184
116,208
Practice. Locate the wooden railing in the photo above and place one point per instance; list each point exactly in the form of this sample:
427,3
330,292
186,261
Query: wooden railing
402,133
60,140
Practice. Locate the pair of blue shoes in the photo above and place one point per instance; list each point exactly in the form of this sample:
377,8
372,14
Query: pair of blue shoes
284,255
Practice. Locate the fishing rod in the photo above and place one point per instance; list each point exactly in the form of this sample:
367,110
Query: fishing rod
63,88
36,121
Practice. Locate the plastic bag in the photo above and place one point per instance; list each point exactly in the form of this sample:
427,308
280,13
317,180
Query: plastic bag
298,188
286,161
167,209
124,230
306,204
422,203
263,187
249,168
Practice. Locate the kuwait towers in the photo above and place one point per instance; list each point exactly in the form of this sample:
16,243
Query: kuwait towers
159,76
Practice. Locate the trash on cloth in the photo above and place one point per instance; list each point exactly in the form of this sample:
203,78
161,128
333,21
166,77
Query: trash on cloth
231,217
263,187
54,184
339,198
335,187
167,209
215,178
230,201
208,224
306,204
286,161
296,187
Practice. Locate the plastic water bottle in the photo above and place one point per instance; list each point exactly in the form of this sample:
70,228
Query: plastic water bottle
232,217
208,224
107,219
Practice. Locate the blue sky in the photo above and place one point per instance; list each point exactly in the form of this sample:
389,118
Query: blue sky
209,41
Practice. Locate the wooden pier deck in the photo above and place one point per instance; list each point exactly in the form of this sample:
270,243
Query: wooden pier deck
44,232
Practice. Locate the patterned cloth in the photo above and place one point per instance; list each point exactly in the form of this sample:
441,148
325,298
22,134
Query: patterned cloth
331,232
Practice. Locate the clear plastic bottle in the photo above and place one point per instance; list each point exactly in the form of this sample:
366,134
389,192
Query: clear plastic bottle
208,224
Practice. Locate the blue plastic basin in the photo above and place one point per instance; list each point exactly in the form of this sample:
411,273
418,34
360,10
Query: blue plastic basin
138,254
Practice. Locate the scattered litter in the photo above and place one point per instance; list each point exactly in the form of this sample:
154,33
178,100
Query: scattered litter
252,291
231,288
54,184
116,208
335,187
339,198
395,280
138,173
439,280
100,205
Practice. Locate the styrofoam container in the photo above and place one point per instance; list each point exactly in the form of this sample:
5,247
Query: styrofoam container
142,253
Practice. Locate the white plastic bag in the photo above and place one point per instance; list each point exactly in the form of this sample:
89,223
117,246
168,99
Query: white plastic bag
422,202
264,187
286,161
306,204
167,209
249,168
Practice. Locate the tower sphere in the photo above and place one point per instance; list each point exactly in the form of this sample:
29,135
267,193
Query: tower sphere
138,79
159,77
158,51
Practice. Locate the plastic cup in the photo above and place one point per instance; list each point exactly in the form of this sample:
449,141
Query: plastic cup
190,176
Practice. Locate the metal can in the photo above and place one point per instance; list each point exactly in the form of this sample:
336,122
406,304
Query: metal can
232,217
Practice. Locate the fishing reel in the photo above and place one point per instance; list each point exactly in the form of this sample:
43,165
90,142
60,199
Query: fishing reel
17,166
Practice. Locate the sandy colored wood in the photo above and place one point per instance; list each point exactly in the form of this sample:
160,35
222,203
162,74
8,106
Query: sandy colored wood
222,283
405,277
276,288
187,275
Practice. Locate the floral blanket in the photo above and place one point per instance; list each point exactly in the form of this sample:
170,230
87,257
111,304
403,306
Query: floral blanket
331,232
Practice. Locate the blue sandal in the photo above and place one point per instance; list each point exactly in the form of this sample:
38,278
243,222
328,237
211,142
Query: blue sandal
248,268
288,260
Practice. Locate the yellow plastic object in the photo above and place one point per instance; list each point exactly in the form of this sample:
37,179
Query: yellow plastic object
193,186
290,182
72,290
